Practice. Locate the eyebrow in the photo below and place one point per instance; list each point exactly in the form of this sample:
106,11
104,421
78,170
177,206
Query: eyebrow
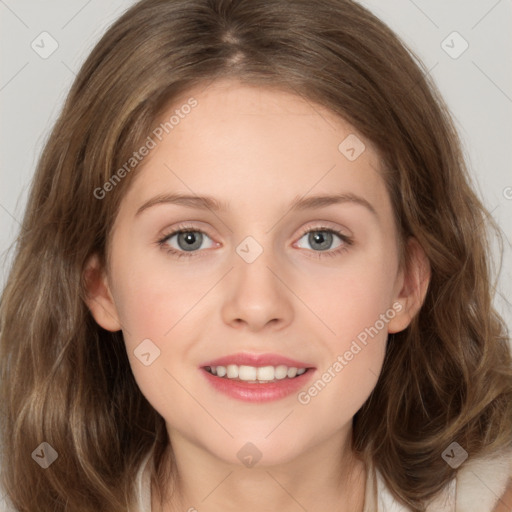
298,204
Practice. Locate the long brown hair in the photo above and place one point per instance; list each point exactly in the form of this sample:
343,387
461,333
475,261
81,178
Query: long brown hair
67,382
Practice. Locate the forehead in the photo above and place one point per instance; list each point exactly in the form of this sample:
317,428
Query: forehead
242,143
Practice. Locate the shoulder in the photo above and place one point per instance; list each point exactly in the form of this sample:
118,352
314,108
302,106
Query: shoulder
505,503
484,483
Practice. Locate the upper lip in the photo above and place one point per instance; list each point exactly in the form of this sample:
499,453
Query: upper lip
257,360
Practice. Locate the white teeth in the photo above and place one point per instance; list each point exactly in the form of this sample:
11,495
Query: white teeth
256,374
292,372
266,373
281,371
246,373
232,371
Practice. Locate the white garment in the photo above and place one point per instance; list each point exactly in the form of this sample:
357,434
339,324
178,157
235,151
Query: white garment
477,487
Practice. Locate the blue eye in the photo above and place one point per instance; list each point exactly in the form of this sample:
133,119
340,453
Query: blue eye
187,241
321,240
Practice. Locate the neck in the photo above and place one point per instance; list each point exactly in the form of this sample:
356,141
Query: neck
328,477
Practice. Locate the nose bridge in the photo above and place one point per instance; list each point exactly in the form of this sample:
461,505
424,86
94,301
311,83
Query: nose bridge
256,296
259,260
253,264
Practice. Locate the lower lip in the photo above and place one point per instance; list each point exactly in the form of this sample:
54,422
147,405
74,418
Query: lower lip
248,392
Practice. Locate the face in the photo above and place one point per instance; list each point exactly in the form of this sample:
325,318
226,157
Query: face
262,277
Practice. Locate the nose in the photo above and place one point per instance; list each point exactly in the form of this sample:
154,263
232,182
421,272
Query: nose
256,296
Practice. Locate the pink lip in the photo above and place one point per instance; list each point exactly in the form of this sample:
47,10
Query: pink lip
257,360
256,392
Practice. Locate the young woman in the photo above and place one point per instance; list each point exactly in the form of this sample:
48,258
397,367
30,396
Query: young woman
253,275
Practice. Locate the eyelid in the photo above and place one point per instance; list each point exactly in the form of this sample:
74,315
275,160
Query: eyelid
324,225
182,228
346,240
319,226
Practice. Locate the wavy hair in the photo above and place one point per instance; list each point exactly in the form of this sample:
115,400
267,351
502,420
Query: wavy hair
66,381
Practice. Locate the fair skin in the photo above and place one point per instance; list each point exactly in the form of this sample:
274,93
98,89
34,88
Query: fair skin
257,150
505,503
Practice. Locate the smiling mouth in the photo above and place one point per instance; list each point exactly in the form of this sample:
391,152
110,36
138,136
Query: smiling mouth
256,374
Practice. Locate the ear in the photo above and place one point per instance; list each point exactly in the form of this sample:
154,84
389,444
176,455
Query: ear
412,283
98,296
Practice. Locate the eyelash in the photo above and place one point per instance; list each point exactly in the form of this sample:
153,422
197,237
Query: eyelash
183,228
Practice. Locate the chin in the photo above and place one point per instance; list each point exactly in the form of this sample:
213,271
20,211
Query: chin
251,451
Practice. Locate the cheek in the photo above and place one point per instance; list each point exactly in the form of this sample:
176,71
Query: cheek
352,295
352,356
354,303
155,313
161,304
152,301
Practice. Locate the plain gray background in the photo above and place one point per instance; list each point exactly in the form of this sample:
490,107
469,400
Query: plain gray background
476,83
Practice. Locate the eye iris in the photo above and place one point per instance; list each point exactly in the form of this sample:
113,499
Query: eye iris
320,237
191,241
